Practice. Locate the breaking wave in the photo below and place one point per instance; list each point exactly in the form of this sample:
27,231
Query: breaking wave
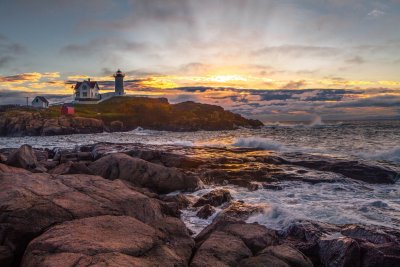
392,155
317,121
272,145
261,143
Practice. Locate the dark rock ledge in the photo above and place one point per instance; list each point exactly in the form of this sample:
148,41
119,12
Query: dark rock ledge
87,207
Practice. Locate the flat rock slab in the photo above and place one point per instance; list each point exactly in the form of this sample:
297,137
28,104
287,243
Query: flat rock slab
32,202
105,241
144,174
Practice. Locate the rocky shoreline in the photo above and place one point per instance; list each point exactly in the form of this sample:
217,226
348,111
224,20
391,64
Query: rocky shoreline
120,114
117,205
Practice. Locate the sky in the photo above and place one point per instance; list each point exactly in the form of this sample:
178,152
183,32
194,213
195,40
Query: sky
271,60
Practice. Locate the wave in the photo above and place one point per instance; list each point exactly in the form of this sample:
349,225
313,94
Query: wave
386,155
261,143
269,144
317,121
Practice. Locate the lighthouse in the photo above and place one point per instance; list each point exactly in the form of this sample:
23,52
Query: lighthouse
119,82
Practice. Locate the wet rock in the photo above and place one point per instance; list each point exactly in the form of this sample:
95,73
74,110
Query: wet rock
32,202
289,255
3,158
71,168
124,241
6,256
352,169
280,255
242,210
272,186
206,211
214,198
349,245
24,157
343,252
255,236
181,200
263,260
305,236
142,173
220,249
116,126
8,169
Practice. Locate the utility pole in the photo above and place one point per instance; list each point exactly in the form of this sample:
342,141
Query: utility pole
27,100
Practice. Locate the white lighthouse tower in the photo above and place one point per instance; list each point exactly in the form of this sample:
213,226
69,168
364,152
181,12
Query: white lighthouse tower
119,82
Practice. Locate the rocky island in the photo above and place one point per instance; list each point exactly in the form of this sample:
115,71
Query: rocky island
120,114
55,202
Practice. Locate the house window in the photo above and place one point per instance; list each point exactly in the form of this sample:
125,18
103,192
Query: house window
84,94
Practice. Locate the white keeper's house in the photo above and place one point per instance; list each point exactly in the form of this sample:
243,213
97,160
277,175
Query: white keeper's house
88,92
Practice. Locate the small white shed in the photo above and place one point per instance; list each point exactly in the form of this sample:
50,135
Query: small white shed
40,102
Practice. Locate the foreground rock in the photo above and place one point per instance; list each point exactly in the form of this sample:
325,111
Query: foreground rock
144,174
25,158
31,203
352,169
111,241
345,246
231,242
214,198
206,211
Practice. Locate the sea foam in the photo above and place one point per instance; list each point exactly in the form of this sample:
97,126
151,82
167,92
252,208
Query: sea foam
392,155
261,143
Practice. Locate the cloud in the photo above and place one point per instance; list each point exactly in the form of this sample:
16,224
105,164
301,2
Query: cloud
376,101
356,60
20,78
294,85
104,45
376,13
299,50
9,51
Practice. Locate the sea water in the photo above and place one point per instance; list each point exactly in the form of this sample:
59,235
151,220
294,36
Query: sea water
340,203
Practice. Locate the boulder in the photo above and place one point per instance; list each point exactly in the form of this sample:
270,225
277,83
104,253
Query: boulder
3,158
116,126
24,157
279,256
124,241
206,211
8,169
243,210
343,252
32,202
220,249
263,260
288,254
71,168
180,200
348,245
142,173
361,171
255,236
214,198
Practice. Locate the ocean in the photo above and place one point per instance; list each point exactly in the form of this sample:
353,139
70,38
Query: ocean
340,202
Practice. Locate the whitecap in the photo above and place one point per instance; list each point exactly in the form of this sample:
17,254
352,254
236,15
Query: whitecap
386,155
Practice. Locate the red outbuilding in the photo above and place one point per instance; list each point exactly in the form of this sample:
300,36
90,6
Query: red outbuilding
67,110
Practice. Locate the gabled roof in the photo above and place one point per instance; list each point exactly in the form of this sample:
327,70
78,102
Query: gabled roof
42,98
91,84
